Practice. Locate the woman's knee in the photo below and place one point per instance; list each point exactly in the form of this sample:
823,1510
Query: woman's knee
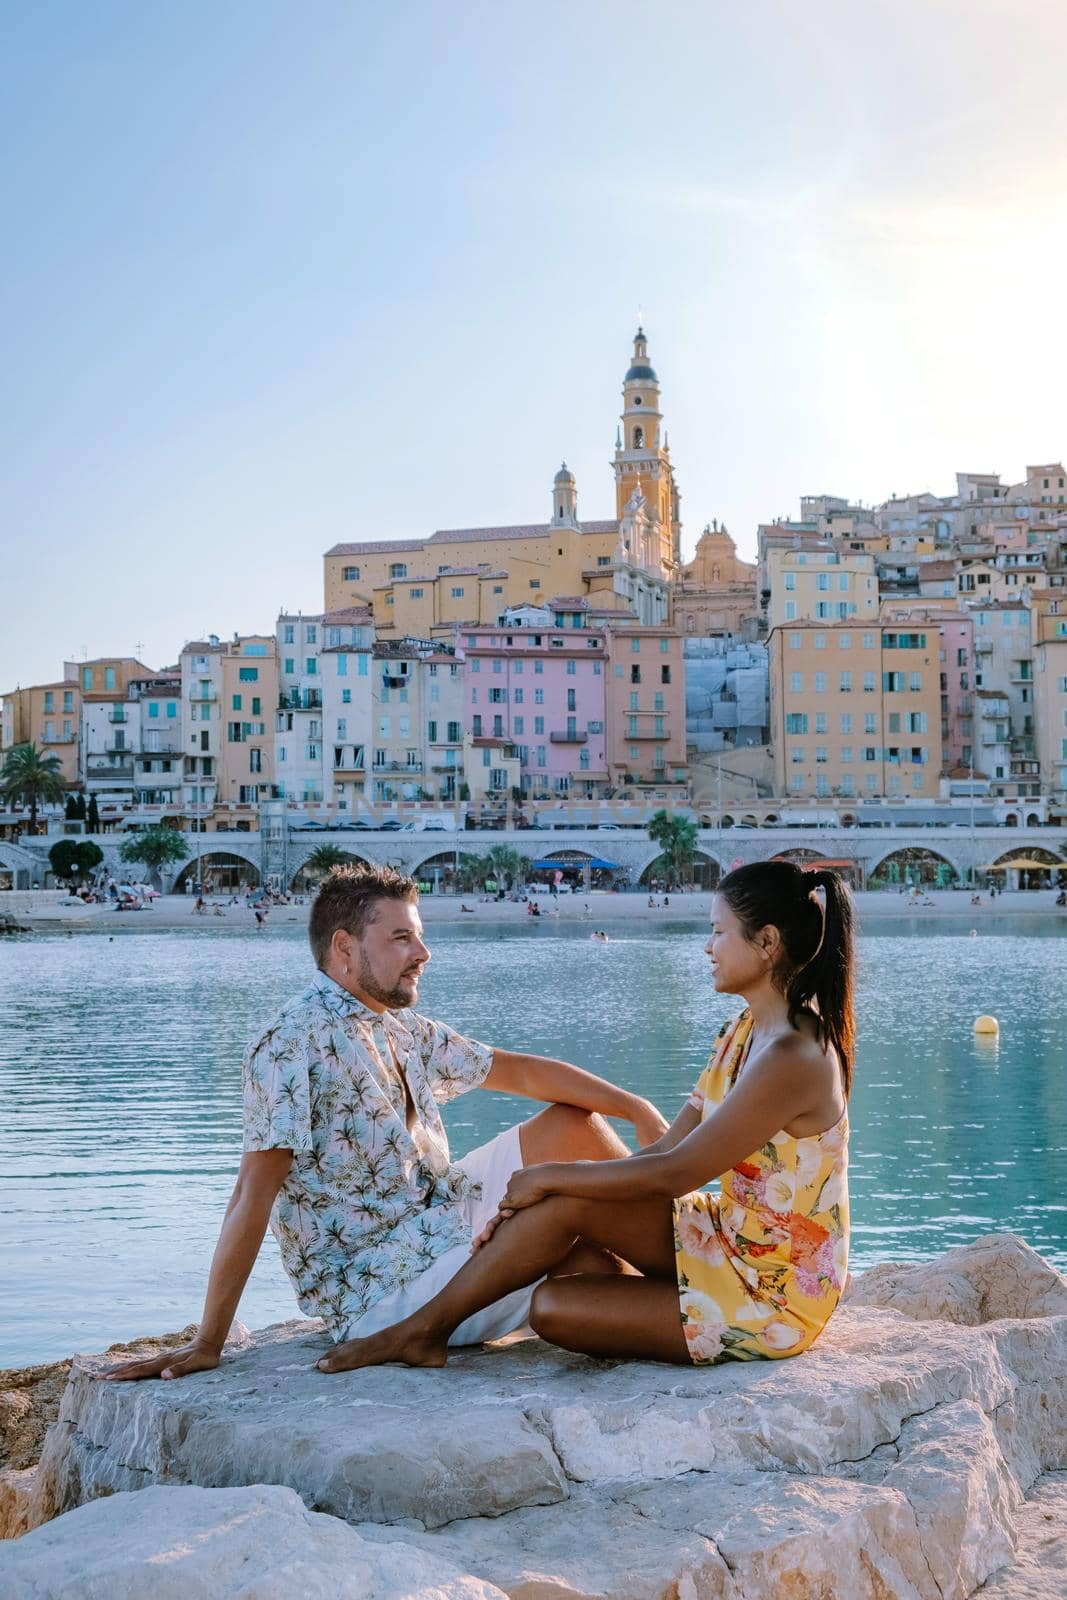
548,1310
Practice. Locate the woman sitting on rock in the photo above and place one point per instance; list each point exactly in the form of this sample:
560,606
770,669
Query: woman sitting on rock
754,1271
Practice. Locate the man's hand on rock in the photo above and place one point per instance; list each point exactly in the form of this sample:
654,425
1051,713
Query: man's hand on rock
192,1357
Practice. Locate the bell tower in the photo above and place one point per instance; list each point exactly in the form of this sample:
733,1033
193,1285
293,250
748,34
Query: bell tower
564,499
643,458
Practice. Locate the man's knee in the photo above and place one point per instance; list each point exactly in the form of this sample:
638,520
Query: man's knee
567,1133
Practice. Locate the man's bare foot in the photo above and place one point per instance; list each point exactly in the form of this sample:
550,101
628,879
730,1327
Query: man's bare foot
398,1344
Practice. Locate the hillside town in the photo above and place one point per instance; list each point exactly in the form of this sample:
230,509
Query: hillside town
906,659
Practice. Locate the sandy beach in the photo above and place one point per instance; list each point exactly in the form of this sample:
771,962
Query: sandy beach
595,908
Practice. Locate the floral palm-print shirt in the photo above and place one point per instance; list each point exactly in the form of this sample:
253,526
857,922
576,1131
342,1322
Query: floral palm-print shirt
367,1204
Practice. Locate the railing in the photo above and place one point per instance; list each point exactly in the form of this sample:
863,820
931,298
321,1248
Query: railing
567,736
397,766
203,694
310,700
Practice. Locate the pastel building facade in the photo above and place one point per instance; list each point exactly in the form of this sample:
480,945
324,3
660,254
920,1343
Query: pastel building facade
347,712
855,710
132,750
645,710
1049,633
539,686
821,584
249,688
47,715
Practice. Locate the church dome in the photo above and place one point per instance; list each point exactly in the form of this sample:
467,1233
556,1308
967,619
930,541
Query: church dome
644,374
564,475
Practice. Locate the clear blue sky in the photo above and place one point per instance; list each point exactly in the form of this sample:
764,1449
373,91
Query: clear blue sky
277,275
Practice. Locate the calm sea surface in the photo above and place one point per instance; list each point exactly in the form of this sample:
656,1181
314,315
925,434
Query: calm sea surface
120,1093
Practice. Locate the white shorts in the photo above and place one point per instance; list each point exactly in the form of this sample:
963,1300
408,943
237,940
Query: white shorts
491,1165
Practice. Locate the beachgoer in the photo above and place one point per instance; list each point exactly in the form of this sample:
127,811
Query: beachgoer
348,1080
753,1272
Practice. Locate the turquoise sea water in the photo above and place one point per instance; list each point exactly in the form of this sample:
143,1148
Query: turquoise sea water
120,1089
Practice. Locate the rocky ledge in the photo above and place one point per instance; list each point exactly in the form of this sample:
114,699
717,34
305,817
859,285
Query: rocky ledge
908,1454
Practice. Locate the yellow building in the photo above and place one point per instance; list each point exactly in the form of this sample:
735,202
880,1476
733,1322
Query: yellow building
1048,619
825,584
716,591
855,709
249,690
47,715
426,588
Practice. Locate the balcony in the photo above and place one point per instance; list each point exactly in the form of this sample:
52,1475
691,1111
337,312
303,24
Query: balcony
395,681
567,736
397,766
310,700
646,732
456,769
117,714
203,695
108,769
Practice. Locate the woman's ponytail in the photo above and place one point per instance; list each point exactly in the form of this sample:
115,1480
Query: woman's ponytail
826,977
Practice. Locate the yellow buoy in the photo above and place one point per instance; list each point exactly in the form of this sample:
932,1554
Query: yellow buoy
986,1025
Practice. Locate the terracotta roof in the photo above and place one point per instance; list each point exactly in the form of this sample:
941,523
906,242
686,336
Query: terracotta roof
937,570
522,530
348,614
376,547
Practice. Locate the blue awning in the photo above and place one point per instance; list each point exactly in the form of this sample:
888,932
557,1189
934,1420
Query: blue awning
593,861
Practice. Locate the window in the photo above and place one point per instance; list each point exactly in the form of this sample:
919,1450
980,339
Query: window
820,755
845,683
870,722
289,665
794,641
518,668
635,645
635,674
109,677
48,701
657,703
476,725
796,683
539,697
796,754
844,641
519,726
868,641
516,695
348,575
416,594
790,580
457,594
844,722
248,674
904,641
820,683
820,641
893,683
634,697
796,722
288,634
535,583
572,669
821,725
498,697
311,633
542,759
665,674
539,724
846,754
539,669
603,561
869,683
311,666
790,611
398,569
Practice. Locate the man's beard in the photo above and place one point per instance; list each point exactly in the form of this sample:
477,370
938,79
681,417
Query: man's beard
395,999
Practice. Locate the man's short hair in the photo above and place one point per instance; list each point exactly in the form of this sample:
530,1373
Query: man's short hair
347,899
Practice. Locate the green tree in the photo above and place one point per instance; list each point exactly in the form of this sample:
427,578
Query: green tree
79,807
33,778
71,812
473,870
677,840
323,860
92,816
155,848
74,858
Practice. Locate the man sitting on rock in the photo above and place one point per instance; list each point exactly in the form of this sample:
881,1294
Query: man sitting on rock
344,1150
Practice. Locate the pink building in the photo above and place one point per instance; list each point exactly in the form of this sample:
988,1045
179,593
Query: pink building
956,631
540,683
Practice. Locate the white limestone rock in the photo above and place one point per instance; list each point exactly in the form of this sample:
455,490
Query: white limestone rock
1039,1570
741,1535
889,1459
997,1276
258,1543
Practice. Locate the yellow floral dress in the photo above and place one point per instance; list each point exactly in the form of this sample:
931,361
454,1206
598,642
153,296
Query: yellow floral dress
761,1266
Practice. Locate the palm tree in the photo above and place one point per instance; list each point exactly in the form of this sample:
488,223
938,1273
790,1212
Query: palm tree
322,860
677,839
473,870
508,864
33,778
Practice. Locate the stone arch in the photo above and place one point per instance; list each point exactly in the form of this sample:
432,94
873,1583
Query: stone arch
304,881
706,871
225,869
1011,820
799,855
914,864
1033,820
1036,852
437,873
771,820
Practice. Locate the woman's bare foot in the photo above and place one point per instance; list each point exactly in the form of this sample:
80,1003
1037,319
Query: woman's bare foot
402,1343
